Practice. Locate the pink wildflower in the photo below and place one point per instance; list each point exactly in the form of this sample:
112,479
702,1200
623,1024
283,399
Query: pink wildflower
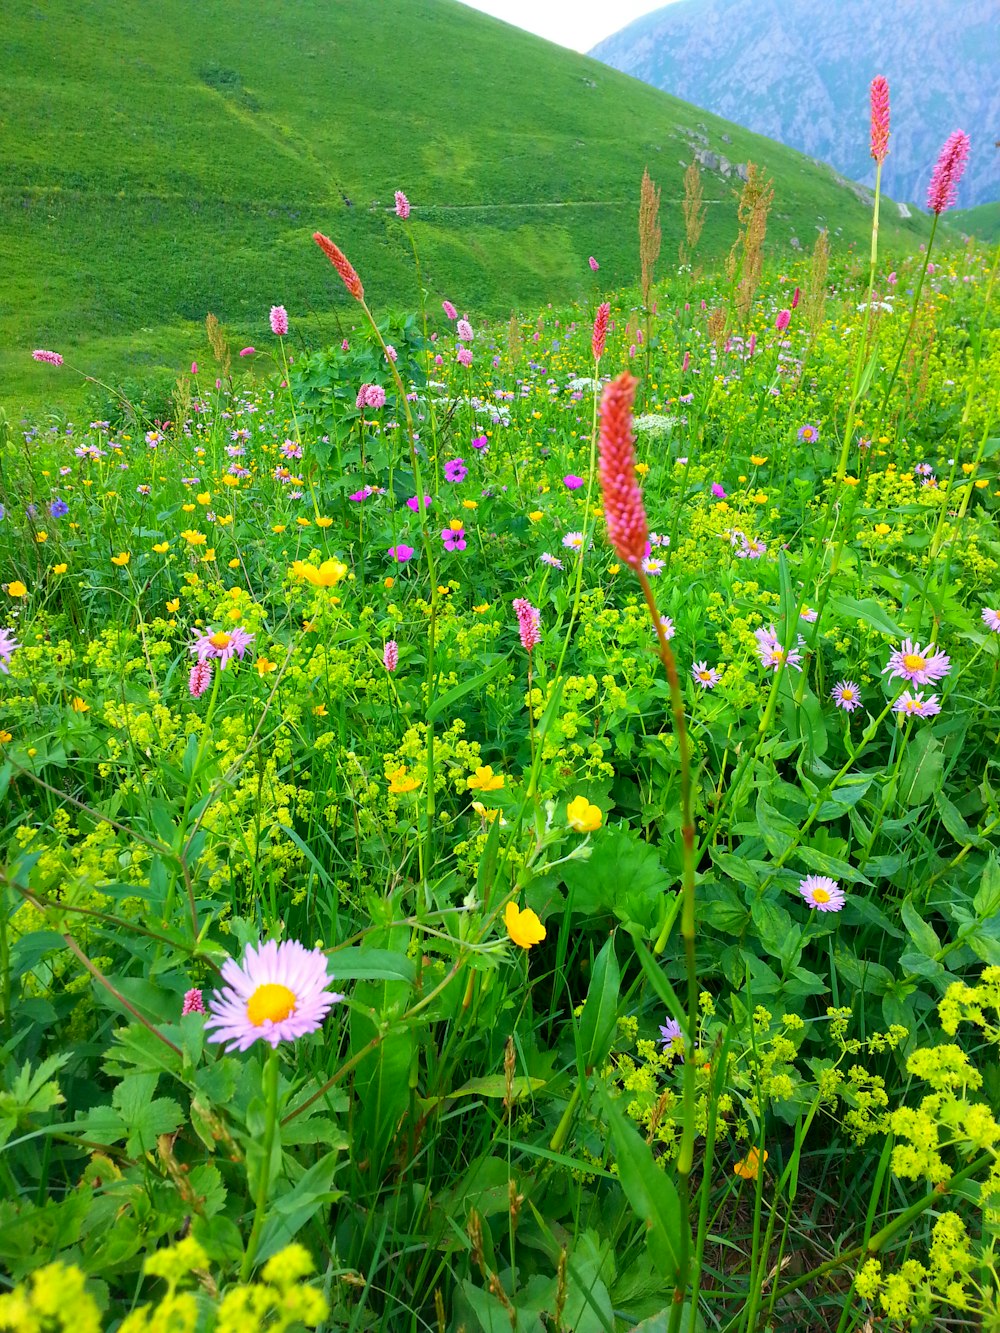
278,993
449,310
594,265
943,189
248,351
822,893
771,653
193,1003
915,705
402,205
846,695
53,358
782,320
390,655
279,320
529,620
920,666
463,331
991,619
464,356
705,676
199,679
880,118
221,645
623,508
686,363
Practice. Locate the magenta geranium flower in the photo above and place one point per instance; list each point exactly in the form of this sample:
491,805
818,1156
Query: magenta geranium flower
572,482
278,993
402,552
220,645
920,666
455,470
453,538
822,893
414,503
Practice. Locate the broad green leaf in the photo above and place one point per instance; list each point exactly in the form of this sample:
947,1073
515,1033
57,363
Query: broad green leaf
599,1019
825,864
923,763
777,831
986,903
869,611
495,1085
919,931
651,1194
452,696
954,823
288,1213
361,964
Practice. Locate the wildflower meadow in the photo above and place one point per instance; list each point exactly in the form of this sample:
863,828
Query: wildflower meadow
500,818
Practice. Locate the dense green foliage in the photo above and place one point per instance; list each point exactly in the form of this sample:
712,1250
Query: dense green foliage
160,163
488,1130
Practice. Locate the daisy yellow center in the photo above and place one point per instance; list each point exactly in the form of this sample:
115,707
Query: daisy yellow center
704,675
779,654
847,694
821,895
271,1002
221,640
914,662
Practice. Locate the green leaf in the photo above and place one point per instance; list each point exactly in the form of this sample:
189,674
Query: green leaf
777,831
869,611
452,696
922,935
954,823
651,1195
825,864
495,1085
599,1019
361,964
623,876
923,764
986,903
288,1213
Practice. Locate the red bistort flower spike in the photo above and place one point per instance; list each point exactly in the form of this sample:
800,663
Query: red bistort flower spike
943,189
623,508
600,330
342,264
880,117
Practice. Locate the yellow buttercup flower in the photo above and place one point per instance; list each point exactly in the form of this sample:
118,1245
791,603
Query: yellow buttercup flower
229,480
582,816
174,605
41,537
204,498
188,508
78,705
401,782
121,559
757,460
324,522
329,573
749,1167
319,710
278,527
523,927
193,537
265,666
484,779
161,548
60,568
882,529
536,515
5,736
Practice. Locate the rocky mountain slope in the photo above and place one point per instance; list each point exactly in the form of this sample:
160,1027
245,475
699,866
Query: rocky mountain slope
798,71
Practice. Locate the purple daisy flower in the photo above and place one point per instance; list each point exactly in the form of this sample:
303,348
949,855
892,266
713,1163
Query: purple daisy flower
771,653
672,1038
991,619
920,666
705,676
846,694
822,893
222,645
915,705
278,993
8,647
808,434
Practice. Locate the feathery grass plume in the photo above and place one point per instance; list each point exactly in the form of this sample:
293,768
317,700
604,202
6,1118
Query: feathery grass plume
814,301
182,398
624,512
515,343
218,344
649,232
746,258
880,118
694,211
600,334
717,326
342,264
943,189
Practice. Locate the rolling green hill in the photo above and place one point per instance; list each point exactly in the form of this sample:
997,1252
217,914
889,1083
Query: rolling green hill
983,222
161,161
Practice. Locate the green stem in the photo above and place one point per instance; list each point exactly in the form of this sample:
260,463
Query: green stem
264,1180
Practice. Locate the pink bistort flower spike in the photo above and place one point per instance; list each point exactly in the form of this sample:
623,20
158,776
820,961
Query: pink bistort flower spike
390,655
529,620
943,189
193,1003
53,358
199,679
624,512
279,320
782,320
600,334
402,205
594,265
880,117
449,310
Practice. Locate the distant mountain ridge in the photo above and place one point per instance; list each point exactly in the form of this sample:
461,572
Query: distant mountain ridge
799,70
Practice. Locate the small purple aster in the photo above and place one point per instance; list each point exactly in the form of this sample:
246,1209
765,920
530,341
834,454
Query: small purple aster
991,619
278,993
221,645
8,647
915,705
705,676
672,1038
808,434
771,653
920,666
846,694
822,893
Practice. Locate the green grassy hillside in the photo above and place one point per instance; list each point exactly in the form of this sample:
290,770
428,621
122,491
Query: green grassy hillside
161,161
983,222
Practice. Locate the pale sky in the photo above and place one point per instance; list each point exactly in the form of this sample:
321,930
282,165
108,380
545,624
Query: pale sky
578,24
